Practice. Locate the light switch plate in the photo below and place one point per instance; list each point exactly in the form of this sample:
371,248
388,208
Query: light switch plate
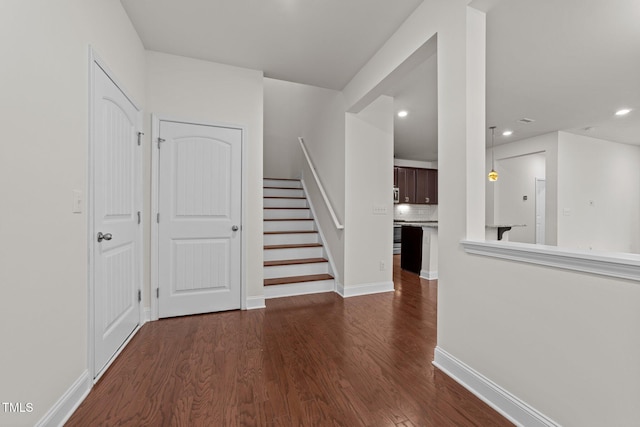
76,206
379,210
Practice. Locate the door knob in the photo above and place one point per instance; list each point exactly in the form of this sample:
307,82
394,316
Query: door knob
106,236
234,228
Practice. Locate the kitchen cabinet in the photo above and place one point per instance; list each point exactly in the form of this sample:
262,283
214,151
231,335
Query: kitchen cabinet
427,186
416,186
411,253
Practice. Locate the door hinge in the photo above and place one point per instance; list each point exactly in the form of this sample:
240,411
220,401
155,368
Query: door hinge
157,292
140,137
158,217
139,295
139,218
160,140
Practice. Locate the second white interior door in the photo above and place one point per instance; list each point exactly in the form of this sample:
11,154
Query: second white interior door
199,226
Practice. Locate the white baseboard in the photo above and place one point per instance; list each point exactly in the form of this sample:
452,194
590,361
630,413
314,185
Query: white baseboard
429,275
60,412
294,289
512,408
364,289
254,303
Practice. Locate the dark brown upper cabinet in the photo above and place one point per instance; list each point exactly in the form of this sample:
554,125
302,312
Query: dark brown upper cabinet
416,186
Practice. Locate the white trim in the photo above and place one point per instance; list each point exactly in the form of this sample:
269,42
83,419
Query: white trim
253,303
325,247
245,304
94,58
147,314
511,407
303,288
619,265
364,289
429,275
62,410
320,187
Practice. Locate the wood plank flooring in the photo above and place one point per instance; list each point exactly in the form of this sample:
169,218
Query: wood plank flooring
316,360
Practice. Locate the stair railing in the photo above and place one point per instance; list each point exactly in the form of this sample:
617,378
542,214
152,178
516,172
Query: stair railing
320,187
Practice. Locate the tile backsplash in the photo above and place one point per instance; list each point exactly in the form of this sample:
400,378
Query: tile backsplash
415,212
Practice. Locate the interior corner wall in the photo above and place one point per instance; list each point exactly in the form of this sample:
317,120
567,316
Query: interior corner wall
292,110
598,194
207,92
529,329
368,183
547,144
44,104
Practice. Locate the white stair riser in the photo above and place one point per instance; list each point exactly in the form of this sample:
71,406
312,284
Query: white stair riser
281,183
285,203
301,288
305,225
272,272
293,253
290,239
287,213
281,192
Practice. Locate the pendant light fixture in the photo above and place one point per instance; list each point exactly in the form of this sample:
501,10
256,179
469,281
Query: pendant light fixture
493,175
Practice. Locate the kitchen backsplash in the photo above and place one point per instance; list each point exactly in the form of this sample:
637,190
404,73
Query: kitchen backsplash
415,212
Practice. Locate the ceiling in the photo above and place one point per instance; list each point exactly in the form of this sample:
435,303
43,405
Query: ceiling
321,43
569,64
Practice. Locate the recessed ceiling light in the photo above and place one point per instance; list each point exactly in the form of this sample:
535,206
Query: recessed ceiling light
507,133
623,112
403,113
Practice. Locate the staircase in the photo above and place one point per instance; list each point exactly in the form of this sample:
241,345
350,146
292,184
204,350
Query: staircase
295,261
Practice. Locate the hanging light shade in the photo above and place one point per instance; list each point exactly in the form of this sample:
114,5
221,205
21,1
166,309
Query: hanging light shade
493,175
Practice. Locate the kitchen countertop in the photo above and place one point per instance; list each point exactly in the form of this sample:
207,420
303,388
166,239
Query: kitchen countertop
430,224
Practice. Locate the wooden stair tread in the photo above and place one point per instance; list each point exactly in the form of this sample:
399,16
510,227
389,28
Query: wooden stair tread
294,261
280,188
291,232
278,207
288,219
294,245
297,279
282,179
284,197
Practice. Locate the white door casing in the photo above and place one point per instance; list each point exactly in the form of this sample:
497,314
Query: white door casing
115,212
199,218
541,191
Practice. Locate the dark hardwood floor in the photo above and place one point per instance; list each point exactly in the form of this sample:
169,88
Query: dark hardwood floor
316,360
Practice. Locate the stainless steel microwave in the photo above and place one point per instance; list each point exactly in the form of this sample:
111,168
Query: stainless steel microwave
396,195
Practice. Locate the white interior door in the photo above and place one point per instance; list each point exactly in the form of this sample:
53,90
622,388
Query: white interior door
541,194
199,205
116,219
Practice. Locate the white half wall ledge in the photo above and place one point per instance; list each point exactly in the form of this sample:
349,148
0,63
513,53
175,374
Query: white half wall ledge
505,403
618,265
364,289
62,410
254,303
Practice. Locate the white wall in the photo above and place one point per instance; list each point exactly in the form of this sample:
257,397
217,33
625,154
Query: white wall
43,157
316,114
191,89
546,145
368,183
561,341
518,180
598,194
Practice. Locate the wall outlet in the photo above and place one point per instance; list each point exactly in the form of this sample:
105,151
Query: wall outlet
76,206
382,266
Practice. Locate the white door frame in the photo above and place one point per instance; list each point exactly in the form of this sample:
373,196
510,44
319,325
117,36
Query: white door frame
536,208
155,177
91,232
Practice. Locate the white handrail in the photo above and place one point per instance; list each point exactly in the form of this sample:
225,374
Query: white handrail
320,187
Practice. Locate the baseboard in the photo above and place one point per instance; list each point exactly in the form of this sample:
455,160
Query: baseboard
60,412
429,275
294,289
147,314
512,408
254,303
364,289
